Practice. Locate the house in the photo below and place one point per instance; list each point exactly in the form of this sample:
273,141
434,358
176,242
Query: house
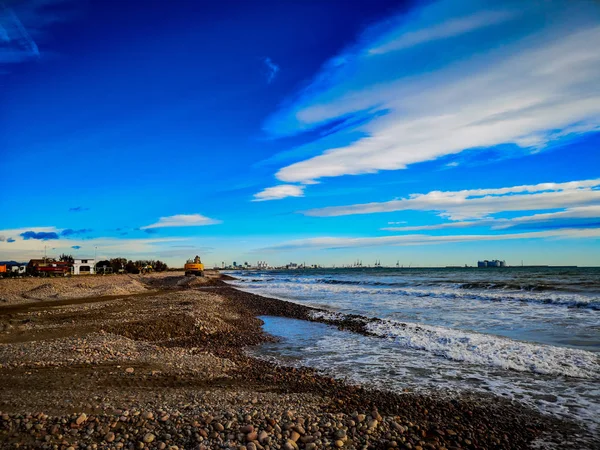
83,266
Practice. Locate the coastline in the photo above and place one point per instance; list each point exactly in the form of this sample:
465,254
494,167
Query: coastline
164,367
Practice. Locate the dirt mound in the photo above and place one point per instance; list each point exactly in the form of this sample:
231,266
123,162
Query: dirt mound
46,290
158,329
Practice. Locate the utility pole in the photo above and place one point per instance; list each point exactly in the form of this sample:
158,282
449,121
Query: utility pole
95,262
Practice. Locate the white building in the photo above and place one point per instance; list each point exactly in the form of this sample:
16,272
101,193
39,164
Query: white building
21,270
84,266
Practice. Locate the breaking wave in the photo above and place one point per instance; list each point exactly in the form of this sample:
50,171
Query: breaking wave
480,349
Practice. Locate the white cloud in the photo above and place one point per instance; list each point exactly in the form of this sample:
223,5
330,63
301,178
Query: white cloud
279,192
182,220
423,239
583,212
527,88
450,28
478,203
107,247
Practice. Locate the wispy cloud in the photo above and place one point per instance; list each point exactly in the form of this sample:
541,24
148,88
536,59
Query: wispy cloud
445,30
583,216
78,209
22,248
279,192
182,220
272,69
71,232
23,24
463,76
478,203
424,239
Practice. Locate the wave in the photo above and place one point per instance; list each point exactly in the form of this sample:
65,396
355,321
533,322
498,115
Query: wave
449,293
542,286
477,348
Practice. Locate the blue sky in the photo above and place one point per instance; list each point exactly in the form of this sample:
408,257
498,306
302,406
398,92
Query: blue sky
430,133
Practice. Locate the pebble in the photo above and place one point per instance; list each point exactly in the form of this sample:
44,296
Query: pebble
82,418
148,437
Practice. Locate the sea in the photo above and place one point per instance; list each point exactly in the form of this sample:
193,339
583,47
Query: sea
527,334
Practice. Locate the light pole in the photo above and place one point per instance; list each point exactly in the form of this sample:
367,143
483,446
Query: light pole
95,262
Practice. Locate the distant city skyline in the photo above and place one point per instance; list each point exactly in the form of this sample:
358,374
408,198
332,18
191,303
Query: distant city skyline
430,133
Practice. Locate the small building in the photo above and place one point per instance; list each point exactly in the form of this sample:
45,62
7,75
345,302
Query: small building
18,269
83,266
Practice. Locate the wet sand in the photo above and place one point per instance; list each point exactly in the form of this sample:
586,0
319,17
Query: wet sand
158,361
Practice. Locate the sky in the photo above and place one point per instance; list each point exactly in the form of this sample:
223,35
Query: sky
424,133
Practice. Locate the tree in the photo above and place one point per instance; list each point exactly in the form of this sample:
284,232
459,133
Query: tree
118,264
160,266
66,258
130,267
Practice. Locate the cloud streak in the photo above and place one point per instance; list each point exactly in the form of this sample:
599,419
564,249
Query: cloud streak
182,220
324,243
443,84
24,23
70,232
480,203
279,192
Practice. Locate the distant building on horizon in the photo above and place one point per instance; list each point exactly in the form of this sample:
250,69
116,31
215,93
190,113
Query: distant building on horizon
492,263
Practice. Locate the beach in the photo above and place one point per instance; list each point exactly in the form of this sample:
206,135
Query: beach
165,361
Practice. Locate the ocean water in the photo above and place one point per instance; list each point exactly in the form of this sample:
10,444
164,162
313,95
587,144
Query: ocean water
527,334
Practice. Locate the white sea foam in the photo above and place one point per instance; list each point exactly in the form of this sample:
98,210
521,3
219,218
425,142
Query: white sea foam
326,315
484,349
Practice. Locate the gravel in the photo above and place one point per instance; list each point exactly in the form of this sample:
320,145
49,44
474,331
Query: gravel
165,368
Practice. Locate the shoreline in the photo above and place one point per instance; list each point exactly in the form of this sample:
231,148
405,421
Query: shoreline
184,341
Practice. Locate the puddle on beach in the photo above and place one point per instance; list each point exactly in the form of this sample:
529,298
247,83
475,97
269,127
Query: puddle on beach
383,364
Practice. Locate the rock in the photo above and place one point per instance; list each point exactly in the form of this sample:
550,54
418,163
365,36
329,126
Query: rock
311,446
164,417
82,418
109,437
295,436
247,429
286,446
148,437
373,423
250,446
299,428
218,427
339,443
262,436
129,370
252,436
340,434
148,415
361,417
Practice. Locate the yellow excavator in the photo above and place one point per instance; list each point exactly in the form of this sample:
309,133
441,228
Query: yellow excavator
194,267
